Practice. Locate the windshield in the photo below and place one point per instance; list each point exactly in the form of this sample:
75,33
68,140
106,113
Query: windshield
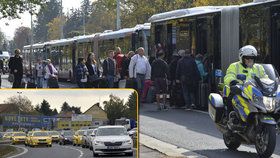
80,132
53,133
39,134
19,134
89,132
68,133
268,83
111,131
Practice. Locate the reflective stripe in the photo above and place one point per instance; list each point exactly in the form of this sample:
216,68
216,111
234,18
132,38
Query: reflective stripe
259,71
237,68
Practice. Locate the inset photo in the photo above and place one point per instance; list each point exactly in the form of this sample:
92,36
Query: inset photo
70,123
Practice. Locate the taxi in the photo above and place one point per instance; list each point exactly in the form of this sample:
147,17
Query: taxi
40,138
8,135
18,137
28,138
54,135
77,138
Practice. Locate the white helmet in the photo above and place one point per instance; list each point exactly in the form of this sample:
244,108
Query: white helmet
247,51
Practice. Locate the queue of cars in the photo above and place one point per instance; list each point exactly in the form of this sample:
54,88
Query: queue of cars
101,140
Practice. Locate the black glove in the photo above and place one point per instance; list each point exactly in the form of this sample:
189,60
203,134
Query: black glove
235,90
233,83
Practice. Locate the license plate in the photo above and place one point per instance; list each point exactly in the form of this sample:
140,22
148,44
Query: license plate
113,147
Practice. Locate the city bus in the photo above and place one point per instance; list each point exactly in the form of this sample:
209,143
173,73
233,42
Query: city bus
219,32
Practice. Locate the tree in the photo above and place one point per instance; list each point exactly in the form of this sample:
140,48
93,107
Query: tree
22,37
65,107
114,108
77,110
45,108
46,14
2,39
74,23
11,8
22,102
132,106
219,2
54,27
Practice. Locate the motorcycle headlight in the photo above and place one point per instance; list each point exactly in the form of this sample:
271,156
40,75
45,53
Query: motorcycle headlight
269,103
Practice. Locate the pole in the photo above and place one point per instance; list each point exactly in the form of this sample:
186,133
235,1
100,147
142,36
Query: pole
61,25
84,22
118,15
31,40
19,93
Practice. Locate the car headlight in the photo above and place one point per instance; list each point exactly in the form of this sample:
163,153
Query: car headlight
128,141
269,103
98,142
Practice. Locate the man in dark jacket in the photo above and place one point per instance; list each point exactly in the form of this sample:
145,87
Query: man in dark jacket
188,74
159,74
16,68
109,69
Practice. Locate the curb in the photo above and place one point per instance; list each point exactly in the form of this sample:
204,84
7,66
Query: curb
166,148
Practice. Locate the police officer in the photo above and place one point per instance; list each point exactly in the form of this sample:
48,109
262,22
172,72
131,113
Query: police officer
246,66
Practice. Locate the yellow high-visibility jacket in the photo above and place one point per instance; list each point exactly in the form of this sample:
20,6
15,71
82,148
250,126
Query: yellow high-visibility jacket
238,68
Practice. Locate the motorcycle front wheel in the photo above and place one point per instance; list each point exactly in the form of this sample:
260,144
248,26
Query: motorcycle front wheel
231,142
265,140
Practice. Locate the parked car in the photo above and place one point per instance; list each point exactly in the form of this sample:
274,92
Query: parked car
40,138
66,137
77,138
112,140
18,137
54,135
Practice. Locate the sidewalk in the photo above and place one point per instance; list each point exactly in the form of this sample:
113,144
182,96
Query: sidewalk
146,152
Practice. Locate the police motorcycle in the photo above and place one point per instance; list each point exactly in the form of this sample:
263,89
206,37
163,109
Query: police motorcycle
253,116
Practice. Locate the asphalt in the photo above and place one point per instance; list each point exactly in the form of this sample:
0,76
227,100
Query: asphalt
191,130
61,151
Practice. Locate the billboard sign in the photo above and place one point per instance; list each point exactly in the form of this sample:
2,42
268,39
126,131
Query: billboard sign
81,117
28,121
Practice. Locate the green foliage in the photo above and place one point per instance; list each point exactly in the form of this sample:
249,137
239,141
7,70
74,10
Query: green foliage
11,8
46,14
2,39
132,106
67,108
45,109
22,37
73,24
219,2
114,108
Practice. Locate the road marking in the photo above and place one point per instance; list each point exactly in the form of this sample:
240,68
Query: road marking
81,152
167,149
25,150
203,112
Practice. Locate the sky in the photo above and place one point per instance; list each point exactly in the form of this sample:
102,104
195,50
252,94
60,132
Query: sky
83,98
8,26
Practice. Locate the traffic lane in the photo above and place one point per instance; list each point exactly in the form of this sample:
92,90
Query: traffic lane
54,151
88,153
191,130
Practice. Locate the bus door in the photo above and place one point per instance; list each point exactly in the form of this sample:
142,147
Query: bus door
275,36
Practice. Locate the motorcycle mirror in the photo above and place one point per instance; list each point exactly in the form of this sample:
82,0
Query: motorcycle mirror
241,77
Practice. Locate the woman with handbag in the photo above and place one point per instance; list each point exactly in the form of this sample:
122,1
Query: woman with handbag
93,77
51,75
81,73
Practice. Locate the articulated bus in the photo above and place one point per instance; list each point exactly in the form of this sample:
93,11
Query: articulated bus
64,53
219,32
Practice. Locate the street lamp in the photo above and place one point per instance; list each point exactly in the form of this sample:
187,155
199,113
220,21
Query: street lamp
19,93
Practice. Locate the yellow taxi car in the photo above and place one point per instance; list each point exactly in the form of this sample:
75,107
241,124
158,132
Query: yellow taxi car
28,138
8,136
77,138
54,135
40,138
18,137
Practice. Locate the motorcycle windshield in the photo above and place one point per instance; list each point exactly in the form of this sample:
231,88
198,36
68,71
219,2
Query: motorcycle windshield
268,83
